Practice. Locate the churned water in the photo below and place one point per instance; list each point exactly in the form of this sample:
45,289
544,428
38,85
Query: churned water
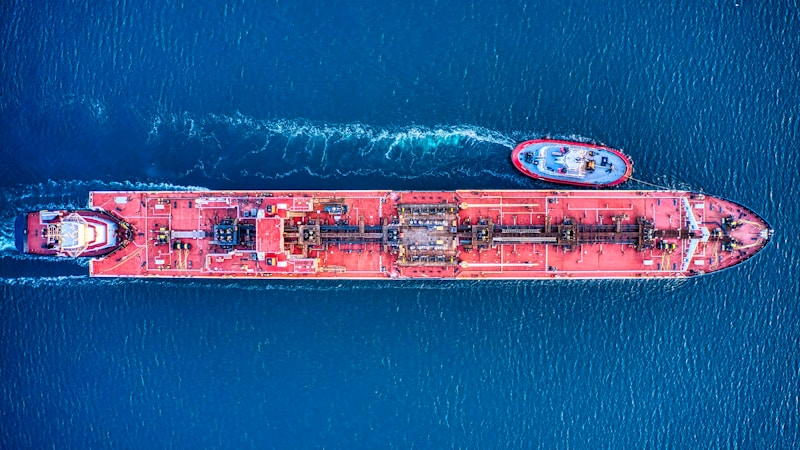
397,95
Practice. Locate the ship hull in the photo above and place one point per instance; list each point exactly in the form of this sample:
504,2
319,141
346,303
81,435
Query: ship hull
572,163
464,235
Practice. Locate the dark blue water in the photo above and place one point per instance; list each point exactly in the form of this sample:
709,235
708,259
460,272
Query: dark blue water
413,95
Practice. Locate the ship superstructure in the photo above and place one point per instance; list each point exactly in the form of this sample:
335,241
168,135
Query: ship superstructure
419,234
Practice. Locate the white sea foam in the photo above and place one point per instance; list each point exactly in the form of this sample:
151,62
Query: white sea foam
320,286
96,106
6,242
60,188
232,147
369,137
67,192
72,280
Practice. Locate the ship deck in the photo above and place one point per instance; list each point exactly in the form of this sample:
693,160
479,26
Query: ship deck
451,235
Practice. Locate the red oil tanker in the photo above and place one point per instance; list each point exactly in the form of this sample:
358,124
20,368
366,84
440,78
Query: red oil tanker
400,235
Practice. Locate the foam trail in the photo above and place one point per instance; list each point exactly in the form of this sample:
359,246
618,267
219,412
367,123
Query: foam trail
71,193
72,280
305,130
280,148
6,243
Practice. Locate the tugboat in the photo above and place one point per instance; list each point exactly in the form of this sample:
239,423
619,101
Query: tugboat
70,234
572,163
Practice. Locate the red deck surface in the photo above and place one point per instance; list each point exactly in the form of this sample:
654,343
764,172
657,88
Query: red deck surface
439,234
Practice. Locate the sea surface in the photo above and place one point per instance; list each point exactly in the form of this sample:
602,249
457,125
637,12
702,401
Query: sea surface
396,95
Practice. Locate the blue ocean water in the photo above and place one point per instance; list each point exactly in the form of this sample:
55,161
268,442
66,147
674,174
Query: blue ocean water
401,95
